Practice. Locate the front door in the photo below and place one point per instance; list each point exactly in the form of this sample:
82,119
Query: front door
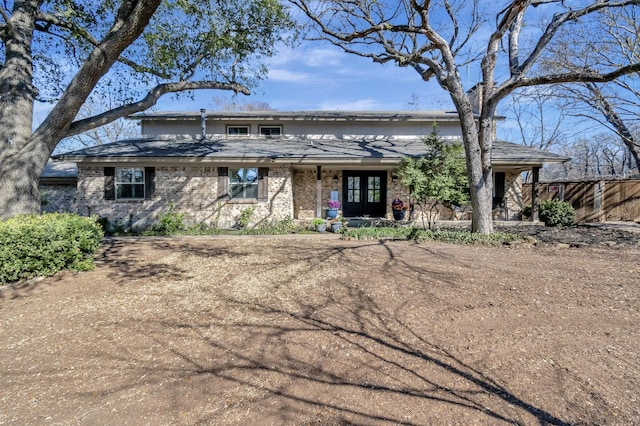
364,193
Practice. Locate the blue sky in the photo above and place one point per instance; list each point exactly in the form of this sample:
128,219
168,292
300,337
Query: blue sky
314,76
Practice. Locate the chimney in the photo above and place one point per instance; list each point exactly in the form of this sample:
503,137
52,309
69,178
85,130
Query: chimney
203,124
475,97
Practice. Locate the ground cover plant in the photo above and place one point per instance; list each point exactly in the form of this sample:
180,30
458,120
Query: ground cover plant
442,235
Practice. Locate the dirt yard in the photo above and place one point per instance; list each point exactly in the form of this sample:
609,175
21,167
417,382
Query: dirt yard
314,330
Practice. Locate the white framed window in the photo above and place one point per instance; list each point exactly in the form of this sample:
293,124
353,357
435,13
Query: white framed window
270,130
129,183
238,130
243,183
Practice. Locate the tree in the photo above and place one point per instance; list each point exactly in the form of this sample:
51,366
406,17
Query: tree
234,105
110,132
439,38
534,125
62,51
437,178
617,103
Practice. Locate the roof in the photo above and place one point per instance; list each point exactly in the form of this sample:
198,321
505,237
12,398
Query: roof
289,150
60,170
428,116
59,173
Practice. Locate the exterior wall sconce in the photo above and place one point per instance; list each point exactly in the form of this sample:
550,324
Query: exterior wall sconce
335,179
394,178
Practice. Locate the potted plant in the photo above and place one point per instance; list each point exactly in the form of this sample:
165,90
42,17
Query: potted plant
398,209
338,224
319,224
332,211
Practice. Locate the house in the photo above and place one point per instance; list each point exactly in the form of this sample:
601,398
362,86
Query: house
57,187
213,166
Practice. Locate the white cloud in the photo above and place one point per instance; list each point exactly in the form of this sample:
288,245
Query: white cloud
323,57
279,74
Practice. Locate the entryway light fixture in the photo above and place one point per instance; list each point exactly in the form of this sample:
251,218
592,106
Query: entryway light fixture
394,178
335,179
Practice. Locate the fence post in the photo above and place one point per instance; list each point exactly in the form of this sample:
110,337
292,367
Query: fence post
598,200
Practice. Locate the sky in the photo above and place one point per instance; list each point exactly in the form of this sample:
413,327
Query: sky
314,76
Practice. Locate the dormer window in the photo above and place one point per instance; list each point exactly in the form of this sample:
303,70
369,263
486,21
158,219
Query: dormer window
238,130
270,130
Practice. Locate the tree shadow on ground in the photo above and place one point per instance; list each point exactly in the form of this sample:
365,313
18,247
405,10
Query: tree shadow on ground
349,355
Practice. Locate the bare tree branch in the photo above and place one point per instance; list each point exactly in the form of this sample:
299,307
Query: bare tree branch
568,77
147,102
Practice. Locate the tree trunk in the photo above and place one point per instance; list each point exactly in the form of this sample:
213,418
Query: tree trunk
19,180
23,153
477,144
18,187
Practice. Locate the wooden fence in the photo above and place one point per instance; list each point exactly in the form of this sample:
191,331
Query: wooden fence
594,201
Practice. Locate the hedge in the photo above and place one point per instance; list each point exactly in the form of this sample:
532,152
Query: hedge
32,245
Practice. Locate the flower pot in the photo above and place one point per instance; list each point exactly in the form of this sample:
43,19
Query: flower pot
332,213
398,214
321,228
336,226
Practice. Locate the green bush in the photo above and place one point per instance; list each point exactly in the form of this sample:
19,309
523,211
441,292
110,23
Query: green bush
557,213
32,245
168,223
245,218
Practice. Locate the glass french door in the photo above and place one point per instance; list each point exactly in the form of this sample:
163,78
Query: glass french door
364,193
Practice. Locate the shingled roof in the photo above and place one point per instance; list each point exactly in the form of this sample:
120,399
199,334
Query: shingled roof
289,150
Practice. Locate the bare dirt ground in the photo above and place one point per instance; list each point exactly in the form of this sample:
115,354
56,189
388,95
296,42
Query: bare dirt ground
315,330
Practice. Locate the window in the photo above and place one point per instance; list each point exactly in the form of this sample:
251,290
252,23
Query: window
373,189
270,130
353,189
243,183
129,183
238,130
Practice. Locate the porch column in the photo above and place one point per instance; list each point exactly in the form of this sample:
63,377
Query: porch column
318,191
535,202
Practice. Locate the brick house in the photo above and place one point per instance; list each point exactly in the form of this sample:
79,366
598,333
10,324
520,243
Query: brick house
212,166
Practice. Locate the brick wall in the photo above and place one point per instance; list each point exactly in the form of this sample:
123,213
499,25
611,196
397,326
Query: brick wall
58,199
305,192
192,190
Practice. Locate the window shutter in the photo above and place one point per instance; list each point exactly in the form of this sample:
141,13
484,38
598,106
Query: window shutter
498,188
263,184
109,183
499,184
149,182
223,182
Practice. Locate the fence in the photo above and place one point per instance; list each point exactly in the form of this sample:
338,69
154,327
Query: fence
594,201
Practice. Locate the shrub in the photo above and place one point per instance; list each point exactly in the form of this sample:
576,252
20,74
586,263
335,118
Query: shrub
32,245
557,213
245,218
168,223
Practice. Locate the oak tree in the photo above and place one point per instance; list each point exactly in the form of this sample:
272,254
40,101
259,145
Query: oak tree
440,38
62,51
